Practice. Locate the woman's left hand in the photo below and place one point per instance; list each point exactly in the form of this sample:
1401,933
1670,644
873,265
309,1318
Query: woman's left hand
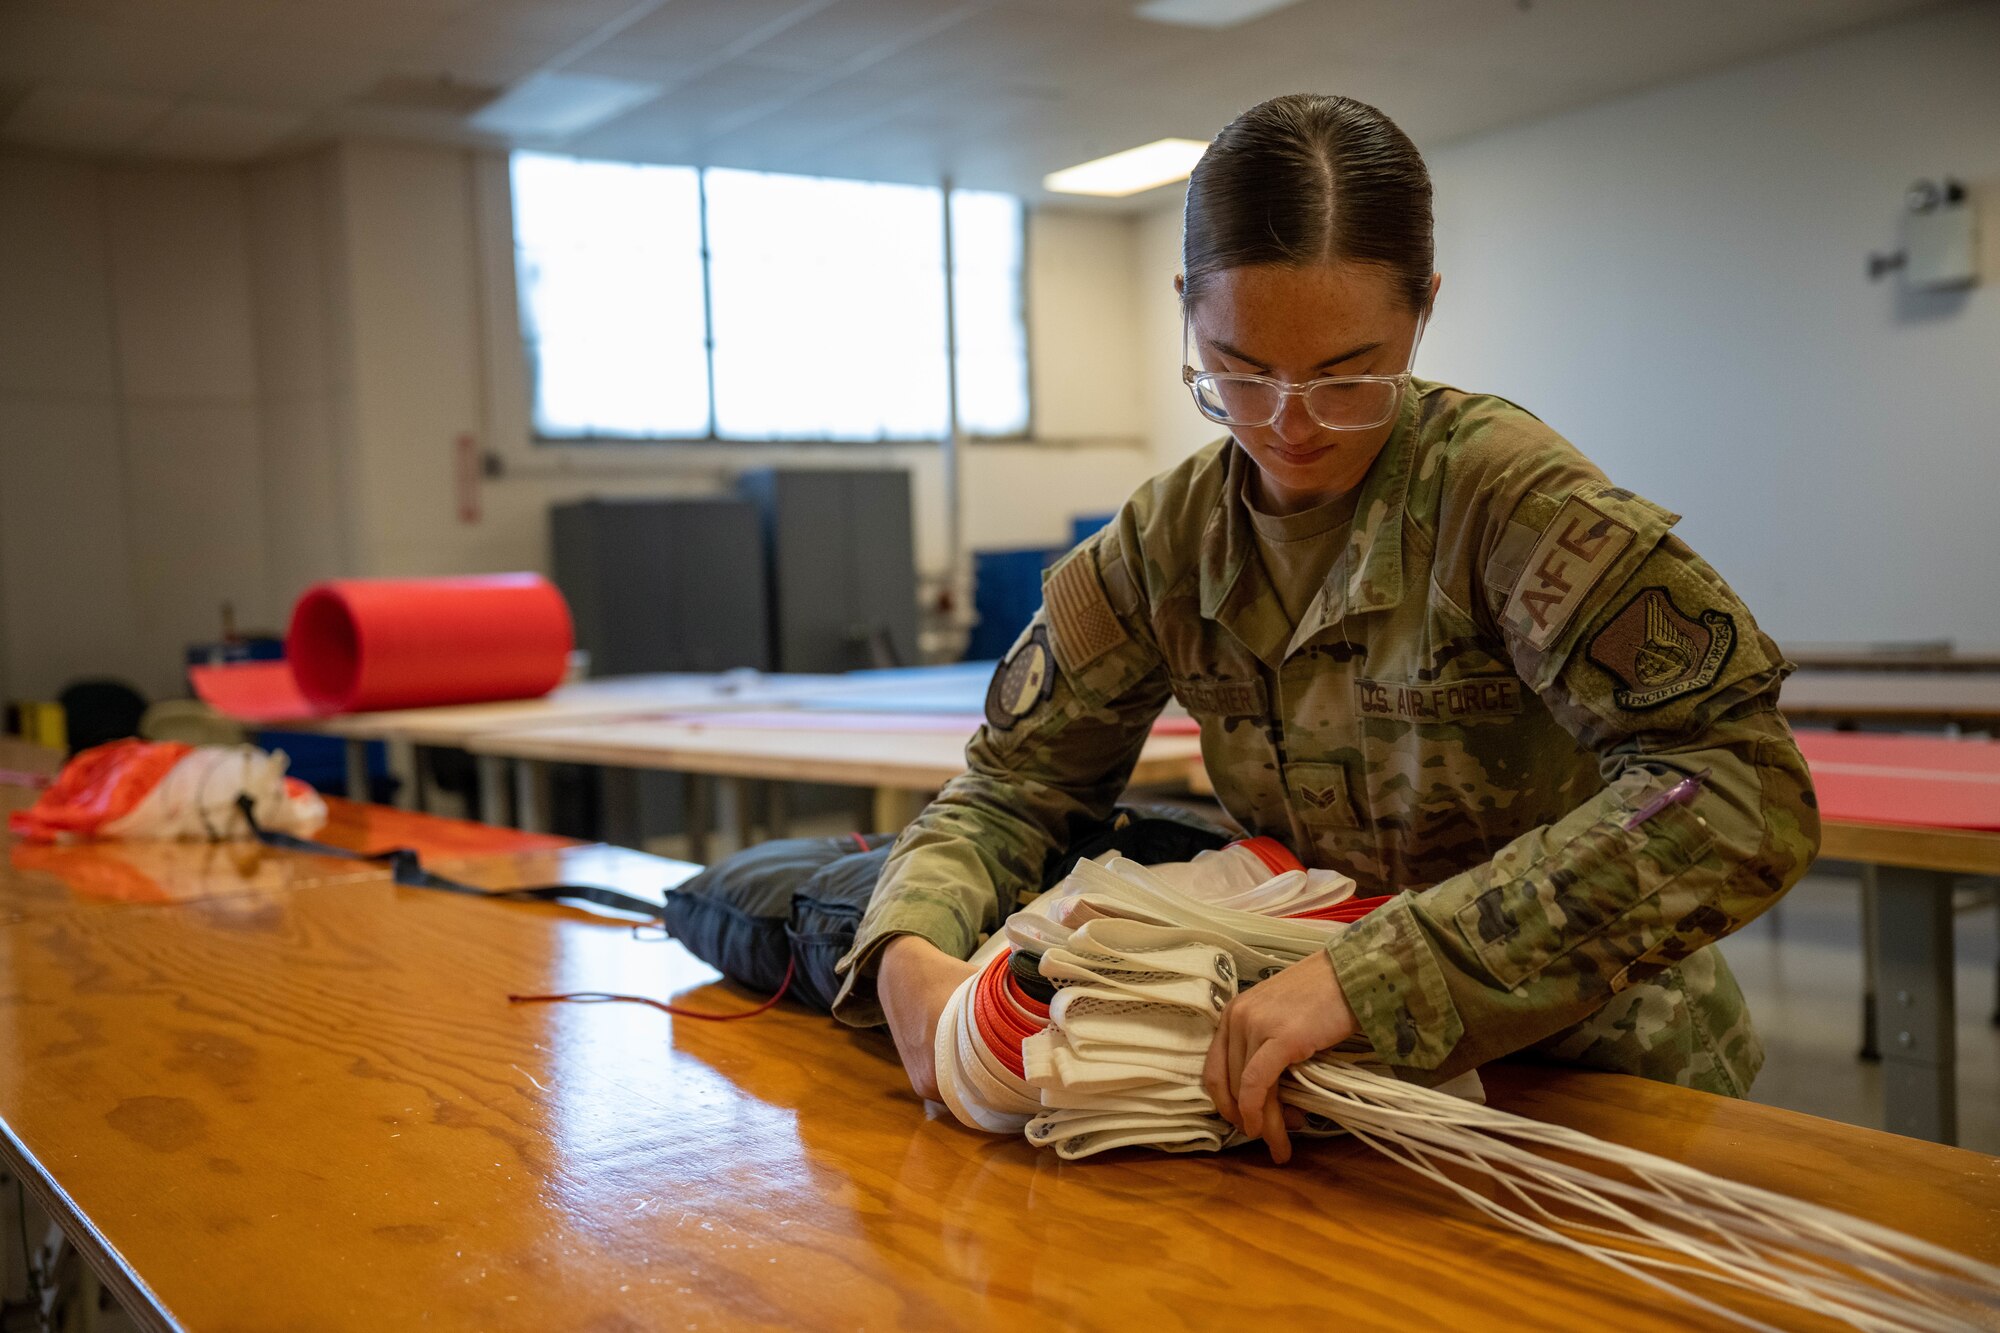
1266,1030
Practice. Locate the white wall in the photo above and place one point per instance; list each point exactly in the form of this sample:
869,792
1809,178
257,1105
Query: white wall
223,384
430,245
1676,281
130,476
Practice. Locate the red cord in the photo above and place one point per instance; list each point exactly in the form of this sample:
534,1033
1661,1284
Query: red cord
860,842
1351,910
1277,857
605,997
1021,997
1001,1026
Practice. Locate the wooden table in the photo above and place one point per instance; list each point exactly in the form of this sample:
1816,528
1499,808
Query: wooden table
316,1109
1908,875
1969,699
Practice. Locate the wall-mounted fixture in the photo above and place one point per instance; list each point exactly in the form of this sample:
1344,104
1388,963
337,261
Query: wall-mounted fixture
1940,239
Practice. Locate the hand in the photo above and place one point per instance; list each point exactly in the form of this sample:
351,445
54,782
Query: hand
1266,1030
913,983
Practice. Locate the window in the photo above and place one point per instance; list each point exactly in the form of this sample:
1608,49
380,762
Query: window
608,259
816,310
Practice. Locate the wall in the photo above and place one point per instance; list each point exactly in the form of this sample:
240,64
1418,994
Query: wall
428,245
130,471
1676,282
222,384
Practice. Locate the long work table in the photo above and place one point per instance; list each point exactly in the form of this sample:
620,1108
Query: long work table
286,1093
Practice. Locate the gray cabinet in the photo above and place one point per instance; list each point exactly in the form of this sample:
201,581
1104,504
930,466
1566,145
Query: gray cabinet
665,585
843,566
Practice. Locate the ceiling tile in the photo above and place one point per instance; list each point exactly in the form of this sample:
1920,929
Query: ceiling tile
697,31
852,29
277,73
150,57
654,133
374,25
88,119
219,131
714,103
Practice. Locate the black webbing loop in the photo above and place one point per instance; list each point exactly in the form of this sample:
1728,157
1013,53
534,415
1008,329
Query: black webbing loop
406,869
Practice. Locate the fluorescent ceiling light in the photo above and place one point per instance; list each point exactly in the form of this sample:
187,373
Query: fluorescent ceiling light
1208,13
1160,162
554,106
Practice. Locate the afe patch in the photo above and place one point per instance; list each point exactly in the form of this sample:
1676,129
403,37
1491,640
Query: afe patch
1573,554
1658,652
1024,680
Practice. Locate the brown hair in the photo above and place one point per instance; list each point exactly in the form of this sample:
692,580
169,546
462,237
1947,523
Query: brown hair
1305,179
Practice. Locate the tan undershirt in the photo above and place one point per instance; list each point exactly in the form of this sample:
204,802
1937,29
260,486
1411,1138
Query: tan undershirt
1298,550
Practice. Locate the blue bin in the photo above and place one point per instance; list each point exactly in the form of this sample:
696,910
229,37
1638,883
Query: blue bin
1007,591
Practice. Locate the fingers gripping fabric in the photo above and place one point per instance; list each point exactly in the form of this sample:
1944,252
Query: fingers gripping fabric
1142,963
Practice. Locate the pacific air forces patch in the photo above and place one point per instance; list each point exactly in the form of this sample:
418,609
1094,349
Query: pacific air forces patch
1659,653
1024,680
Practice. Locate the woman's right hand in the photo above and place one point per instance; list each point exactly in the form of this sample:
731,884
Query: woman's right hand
913,982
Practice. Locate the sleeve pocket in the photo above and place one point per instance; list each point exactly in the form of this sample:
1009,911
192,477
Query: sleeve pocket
1605,883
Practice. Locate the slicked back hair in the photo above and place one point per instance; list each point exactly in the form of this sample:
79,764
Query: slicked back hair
1306,179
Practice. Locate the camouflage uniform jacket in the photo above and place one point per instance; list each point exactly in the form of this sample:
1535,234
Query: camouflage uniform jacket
1508,660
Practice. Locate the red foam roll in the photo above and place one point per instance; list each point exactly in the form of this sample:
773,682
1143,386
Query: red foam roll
359,645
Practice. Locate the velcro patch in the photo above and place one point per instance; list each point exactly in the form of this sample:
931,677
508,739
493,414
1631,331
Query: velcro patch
1573,554
1659,653
1226,698
1023,681
1446,701
1086,628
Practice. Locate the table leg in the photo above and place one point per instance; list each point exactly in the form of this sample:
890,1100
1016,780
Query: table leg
732,815
895,807
530,810
778,821
403,767
1914,964
492,771
85,1295
695,812
420,791
1871,926
357,770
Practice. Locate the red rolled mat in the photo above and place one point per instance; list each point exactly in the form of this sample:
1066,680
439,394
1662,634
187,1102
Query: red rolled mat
359,645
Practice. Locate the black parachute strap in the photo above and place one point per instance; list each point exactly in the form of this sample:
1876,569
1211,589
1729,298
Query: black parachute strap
407,869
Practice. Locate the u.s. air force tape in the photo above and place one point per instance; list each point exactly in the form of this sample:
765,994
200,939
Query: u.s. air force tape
1086,628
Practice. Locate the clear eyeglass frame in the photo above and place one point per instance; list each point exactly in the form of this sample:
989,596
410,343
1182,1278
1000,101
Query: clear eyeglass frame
1206,386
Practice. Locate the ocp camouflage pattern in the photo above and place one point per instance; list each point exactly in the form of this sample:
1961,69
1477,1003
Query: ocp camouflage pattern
1441,726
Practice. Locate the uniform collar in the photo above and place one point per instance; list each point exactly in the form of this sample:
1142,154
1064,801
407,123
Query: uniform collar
1366,576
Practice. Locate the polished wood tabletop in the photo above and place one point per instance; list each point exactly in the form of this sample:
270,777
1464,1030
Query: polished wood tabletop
315,1108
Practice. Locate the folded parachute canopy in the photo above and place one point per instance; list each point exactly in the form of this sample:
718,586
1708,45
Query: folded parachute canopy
358,645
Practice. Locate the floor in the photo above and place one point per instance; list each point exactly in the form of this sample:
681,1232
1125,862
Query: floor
1800,968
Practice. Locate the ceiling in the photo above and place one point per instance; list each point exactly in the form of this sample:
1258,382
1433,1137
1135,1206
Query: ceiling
993,92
